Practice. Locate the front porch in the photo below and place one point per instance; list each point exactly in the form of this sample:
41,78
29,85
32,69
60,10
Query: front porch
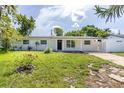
83,45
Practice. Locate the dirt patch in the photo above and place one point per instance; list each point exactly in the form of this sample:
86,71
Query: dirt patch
106,77
26,68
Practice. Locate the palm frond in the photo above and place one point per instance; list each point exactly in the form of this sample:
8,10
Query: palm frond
113,12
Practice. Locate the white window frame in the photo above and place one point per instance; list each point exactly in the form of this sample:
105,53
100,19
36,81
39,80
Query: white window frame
69,43
43,43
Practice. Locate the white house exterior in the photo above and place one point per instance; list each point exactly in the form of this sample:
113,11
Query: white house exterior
62,43
113,43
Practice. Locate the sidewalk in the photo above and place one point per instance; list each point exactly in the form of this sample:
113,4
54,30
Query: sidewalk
110,57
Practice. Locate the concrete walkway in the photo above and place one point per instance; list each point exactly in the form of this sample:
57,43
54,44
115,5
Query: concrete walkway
110,57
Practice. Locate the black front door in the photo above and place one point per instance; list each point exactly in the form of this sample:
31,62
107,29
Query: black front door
59,44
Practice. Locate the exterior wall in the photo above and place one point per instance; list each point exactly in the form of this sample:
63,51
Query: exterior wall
95,46
110,44
52,43
91,47
103,46
80,46
114,44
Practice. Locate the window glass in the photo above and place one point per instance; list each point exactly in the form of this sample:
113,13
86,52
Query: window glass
119,41
70,43
99,40
25,41
44,42
87,42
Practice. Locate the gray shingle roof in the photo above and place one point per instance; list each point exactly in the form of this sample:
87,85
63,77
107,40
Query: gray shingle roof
64,37
118,35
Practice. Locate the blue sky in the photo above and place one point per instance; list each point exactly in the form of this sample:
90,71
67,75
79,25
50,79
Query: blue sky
68,17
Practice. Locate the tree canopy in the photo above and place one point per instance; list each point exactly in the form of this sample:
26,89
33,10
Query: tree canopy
89,30
7,10
26,25
74,33
8,32
58,31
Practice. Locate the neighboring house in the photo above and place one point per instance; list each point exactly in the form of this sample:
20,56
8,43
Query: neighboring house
113,43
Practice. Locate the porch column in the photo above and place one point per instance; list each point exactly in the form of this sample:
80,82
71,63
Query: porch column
81,45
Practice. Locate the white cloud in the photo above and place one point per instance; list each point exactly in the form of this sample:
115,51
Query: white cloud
56,26
75,26
54,15
114,30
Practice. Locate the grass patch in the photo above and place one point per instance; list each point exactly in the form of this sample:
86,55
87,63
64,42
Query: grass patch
119,53
51,70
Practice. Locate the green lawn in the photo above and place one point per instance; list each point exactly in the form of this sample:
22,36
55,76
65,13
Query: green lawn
51,70
119,53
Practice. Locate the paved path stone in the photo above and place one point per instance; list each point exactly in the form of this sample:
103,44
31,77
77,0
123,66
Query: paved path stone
110,57
117,77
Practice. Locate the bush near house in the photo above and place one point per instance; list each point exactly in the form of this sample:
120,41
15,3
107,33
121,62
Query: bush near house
29,48
48,50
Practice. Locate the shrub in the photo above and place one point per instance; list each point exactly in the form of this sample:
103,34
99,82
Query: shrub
25,59
24,64
29,48
1,48
15,47
48,50
20,48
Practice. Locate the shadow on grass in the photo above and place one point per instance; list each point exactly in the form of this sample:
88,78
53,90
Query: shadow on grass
79,52
2,52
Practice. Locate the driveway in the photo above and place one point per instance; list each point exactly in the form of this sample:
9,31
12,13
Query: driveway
107,56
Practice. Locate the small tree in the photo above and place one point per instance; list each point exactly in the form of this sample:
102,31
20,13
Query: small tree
58,31
8,33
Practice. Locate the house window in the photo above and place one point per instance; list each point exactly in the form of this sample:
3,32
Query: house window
43,42
99,40
70,43
25,41
119,41
87,42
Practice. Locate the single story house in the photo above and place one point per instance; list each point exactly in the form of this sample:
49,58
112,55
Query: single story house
113,43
